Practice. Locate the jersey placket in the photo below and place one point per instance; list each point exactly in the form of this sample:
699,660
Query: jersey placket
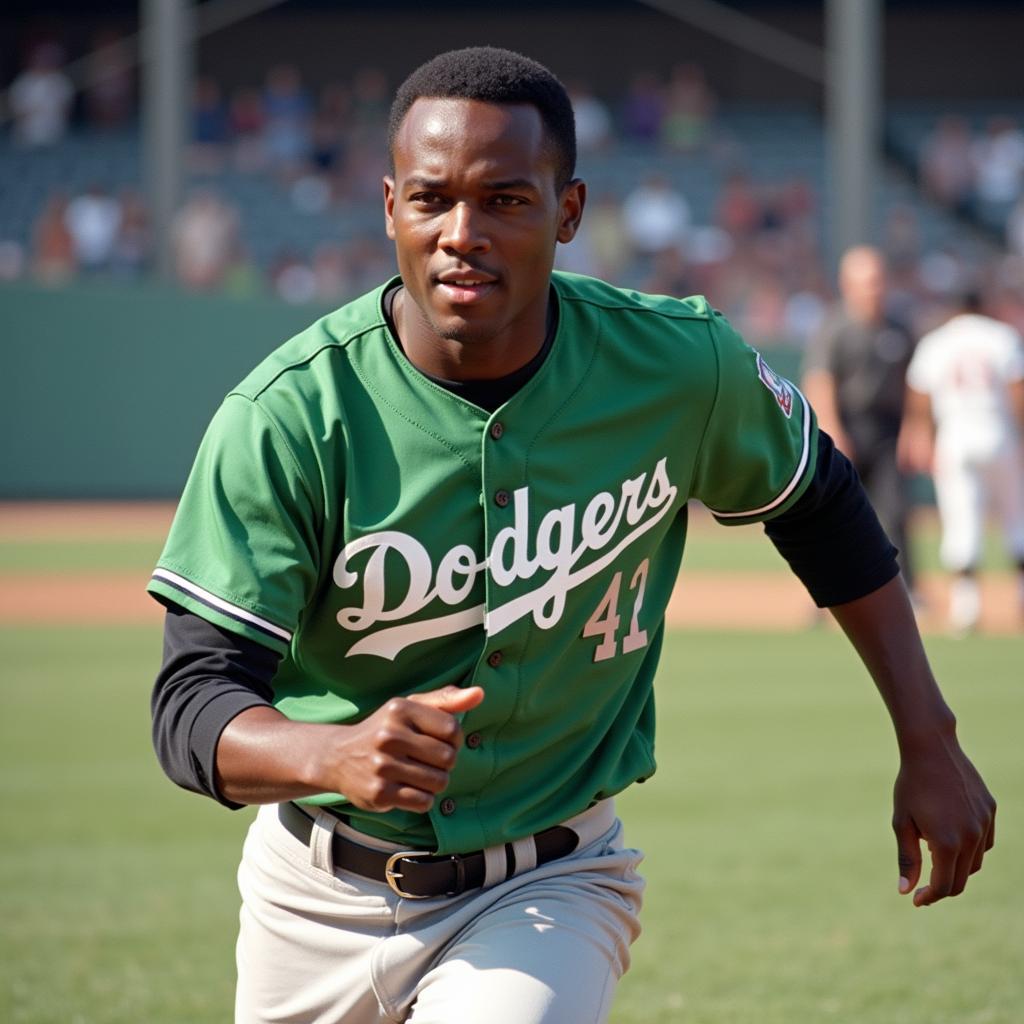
497,670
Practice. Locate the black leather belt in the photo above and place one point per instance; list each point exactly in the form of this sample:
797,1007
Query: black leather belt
415,874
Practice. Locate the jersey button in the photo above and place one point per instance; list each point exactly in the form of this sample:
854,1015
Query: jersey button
497,429
495,658
501,498
447,806
473,740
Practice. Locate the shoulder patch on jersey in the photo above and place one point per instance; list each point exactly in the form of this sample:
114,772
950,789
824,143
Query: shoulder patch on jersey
778,386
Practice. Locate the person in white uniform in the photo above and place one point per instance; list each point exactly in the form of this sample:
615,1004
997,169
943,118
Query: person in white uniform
963,423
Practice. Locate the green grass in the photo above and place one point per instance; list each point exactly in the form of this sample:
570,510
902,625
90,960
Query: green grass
79,555
117,889
771,868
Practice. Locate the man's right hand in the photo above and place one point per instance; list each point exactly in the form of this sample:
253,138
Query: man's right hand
400,757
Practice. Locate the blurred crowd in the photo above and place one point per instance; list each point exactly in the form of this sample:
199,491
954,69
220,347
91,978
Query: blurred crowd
756,248
980,174
752,242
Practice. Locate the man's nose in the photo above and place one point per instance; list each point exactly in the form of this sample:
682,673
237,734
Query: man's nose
462,230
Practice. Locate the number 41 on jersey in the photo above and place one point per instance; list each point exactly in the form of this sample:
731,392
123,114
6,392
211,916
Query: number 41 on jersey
605,621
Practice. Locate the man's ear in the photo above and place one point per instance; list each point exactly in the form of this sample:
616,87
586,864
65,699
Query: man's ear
574,198
389,205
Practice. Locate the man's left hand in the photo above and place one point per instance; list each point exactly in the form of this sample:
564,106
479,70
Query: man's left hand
941,798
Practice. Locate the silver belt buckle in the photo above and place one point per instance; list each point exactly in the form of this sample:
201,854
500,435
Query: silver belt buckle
391,876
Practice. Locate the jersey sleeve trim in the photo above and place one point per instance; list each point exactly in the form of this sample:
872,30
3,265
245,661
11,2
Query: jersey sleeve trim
232,611
784,494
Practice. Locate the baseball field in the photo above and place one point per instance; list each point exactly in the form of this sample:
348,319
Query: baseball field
771,867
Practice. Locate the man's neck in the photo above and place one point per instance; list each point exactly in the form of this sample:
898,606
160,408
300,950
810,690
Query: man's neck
452,359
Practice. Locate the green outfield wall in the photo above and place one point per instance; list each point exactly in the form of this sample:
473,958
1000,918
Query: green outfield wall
106,389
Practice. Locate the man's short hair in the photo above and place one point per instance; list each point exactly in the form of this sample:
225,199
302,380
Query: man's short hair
493,75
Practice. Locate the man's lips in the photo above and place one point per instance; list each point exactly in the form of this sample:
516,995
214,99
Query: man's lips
464,287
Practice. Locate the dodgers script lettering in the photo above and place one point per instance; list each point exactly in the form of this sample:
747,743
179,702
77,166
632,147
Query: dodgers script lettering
564,539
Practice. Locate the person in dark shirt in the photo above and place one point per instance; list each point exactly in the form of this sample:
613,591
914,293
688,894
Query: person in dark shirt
854,374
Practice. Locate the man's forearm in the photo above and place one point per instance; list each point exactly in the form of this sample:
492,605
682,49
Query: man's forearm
399,757
882,628
263,758
939,797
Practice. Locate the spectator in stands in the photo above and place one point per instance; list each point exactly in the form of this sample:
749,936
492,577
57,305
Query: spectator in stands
211,126
670,274
331,274
606,233
797,203
40,98
593,120
1015,228
689,106
947,168
738,209
903,252
287,133
805,310
242,279
999,168
1007,302
765,309
773,211
902,237
656,216
94,220
293,278
205,237
53,247
12,259
330,126
110,86
132,246
854,375
370,259
371,103
364,168
247,123
643,109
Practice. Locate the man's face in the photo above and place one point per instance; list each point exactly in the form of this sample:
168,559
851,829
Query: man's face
474,214
862,282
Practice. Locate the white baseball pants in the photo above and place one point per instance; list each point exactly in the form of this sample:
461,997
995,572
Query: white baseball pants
323,946
965,490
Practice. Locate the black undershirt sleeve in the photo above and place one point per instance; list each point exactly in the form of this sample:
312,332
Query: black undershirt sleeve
209,675
831,537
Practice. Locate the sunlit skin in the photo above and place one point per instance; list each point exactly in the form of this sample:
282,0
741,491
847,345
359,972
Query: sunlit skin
474,212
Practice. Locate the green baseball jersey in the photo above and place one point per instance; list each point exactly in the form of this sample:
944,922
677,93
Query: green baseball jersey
388,537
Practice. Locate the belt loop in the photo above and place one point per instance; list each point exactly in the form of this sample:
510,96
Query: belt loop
320,841
494,866
525,851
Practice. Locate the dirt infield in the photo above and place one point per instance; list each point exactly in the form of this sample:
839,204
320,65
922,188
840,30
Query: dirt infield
729,600
62,520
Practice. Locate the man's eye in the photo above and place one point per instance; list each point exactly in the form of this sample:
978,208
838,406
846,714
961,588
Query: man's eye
507,201
426,198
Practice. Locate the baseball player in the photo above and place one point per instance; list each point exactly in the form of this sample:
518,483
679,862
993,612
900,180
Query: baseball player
417,581
963,423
